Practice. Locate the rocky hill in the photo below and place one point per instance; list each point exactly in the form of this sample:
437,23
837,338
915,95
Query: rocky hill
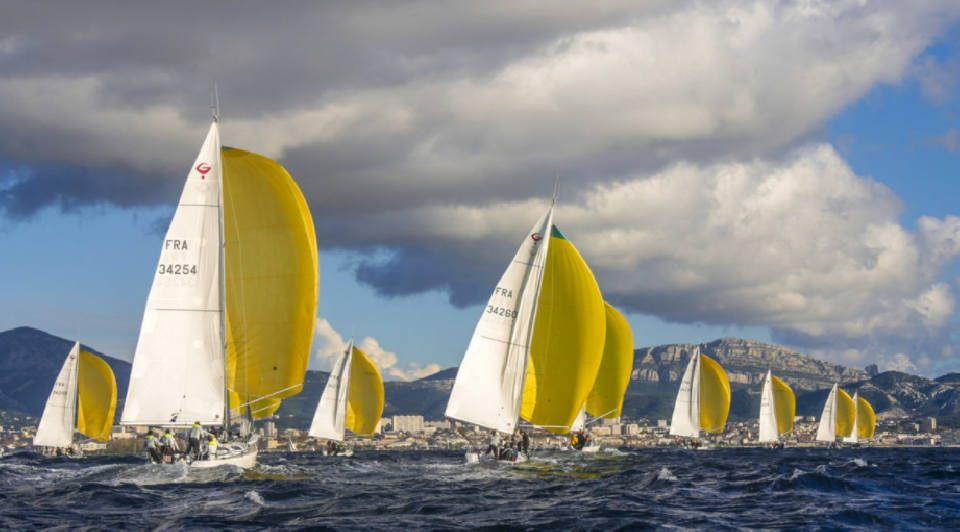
746,363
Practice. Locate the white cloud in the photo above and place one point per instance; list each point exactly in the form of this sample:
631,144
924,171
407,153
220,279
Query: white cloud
330,344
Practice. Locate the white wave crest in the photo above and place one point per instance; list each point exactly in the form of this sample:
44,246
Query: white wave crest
665,474
254,497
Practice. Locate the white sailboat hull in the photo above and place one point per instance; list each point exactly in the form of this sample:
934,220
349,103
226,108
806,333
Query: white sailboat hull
240,456
473,457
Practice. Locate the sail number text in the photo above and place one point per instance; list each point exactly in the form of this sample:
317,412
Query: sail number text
500,311
178,269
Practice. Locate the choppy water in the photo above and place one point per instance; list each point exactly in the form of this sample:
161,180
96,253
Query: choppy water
727,488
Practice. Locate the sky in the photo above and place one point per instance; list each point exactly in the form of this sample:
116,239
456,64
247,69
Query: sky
781,171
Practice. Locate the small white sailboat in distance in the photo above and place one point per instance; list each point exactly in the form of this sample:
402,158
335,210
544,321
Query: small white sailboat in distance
84,398
703,401
778,407
229,320
838,417
352,399
864,421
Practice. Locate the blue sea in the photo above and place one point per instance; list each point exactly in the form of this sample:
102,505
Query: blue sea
869,488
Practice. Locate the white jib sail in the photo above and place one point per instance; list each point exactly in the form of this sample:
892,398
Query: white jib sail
489,384
178,368
768,412
580,422
853,437
686,411
330,418
60,415
827,430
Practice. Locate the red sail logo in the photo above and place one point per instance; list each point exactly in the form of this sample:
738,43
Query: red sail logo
203,168
536,237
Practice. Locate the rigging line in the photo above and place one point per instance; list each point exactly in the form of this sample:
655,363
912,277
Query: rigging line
259,398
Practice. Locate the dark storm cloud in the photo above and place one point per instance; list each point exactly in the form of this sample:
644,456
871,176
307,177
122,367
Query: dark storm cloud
415,270
28,190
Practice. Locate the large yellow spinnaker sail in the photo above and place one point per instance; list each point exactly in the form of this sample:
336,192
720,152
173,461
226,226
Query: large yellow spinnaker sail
785,405
606,397
846,413
96,396
714,396
866,419
568,338
271,280
365,399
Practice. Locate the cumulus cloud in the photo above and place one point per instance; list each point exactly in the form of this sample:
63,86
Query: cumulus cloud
330,344
802,245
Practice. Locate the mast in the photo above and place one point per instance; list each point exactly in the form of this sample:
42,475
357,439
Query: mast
215,111
75,381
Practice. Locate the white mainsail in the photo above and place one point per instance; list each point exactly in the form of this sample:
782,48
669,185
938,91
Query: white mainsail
59,417
330,418
827,431
768,412
178,369
854,437
489,384
686,411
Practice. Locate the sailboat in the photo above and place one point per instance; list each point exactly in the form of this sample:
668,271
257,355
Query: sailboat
703,401
777,409
352,399
228,324
605,400
537,348
864,421
838,417
84,399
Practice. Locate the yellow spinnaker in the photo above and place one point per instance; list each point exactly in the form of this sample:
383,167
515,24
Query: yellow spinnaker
365,400
606,397
714,396
97,397
271,280
866,419
568,339
785,405
845,413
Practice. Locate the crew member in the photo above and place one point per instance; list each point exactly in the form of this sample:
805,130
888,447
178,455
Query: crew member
150,443
211,447
493,444
193,440
168,444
